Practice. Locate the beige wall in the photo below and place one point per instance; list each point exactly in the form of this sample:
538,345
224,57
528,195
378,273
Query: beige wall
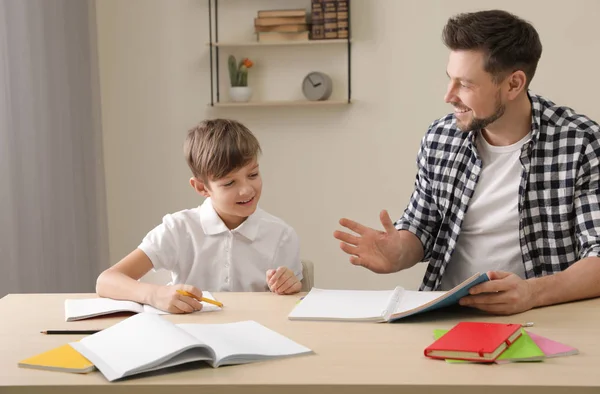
319,164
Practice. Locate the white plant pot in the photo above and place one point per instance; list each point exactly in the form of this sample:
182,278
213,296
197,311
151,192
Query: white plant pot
240,94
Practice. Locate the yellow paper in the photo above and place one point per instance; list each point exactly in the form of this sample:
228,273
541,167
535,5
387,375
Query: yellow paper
63,358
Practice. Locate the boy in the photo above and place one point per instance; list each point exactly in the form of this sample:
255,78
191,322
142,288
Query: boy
226,244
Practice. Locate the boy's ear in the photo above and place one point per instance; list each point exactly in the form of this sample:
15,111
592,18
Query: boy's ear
200,187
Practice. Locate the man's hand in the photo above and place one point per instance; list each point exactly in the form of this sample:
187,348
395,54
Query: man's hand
376,250
504,294
283,281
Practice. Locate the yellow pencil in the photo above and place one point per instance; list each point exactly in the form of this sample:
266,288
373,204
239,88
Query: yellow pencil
188,294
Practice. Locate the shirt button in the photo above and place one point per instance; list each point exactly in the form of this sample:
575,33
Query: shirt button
226,279
473,176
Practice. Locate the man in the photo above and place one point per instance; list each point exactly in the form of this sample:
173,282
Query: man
508,184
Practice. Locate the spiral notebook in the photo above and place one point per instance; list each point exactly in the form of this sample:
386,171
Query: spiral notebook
377,305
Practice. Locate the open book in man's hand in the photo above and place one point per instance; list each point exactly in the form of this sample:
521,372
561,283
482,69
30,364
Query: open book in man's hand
377,305
147,342
85,308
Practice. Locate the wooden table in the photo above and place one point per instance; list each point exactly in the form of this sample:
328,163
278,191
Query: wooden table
349,357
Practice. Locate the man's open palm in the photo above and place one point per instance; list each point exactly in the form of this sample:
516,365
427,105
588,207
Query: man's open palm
376,250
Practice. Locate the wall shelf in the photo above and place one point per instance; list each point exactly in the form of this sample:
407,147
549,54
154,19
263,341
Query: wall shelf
214,46
282,103
279,43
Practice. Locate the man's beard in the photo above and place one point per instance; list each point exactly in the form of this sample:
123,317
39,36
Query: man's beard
481,123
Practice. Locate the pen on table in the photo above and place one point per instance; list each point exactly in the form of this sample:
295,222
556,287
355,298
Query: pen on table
528,324
69,332
188,294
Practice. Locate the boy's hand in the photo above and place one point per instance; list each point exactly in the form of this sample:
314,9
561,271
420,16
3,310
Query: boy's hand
283,281
166,298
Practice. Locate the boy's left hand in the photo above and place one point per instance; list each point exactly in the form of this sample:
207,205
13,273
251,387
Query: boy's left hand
283,281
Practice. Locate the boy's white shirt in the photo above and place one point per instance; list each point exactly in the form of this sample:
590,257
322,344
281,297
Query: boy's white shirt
199,249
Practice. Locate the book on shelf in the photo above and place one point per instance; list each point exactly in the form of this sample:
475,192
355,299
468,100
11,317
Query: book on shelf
282,28
147,342
342,18
278,36
295,20
316,20
285,13
330,19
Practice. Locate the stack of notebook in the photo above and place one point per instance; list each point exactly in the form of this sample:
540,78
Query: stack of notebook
493,343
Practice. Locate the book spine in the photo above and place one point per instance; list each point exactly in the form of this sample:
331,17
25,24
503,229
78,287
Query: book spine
342,18
317,32
330,18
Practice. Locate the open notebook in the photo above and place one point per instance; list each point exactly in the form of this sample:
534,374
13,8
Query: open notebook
147,342
85,308
377,305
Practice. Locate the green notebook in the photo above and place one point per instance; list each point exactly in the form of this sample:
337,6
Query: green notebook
523,349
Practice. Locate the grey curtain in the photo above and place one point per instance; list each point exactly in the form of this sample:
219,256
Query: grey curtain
53,235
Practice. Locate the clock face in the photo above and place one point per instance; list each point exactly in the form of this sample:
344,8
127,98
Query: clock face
317,86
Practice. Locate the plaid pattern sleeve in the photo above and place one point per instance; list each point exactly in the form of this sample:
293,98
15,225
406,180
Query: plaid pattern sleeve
422,216
587,199
559,193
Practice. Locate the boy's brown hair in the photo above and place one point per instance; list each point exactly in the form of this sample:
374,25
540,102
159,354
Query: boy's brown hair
508,42
216,147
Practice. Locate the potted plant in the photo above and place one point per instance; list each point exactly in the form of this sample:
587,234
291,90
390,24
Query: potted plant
238,74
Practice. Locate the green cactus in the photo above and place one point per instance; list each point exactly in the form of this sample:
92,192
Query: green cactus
242,76
238,72
233,70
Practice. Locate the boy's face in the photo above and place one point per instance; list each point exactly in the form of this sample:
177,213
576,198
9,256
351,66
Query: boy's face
236,195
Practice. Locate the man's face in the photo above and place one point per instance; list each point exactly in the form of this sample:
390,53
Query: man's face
476,99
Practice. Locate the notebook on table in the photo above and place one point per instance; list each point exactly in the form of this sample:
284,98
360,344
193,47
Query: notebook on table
63,359
147,342
552,348
377,305
474,341
524,349
85,308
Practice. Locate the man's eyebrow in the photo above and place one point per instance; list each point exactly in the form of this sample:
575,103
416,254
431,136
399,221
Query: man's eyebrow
461,79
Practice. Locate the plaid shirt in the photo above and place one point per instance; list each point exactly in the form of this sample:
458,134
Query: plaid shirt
559,192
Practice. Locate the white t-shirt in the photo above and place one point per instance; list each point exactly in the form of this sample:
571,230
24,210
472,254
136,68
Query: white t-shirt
489,235
199,249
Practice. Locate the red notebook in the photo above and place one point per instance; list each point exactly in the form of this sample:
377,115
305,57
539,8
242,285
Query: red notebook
474,341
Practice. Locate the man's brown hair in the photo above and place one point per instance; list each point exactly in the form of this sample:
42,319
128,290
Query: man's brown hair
216,147
509,43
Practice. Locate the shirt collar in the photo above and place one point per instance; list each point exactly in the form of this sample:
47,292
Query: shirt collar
212,224
536,116
249,229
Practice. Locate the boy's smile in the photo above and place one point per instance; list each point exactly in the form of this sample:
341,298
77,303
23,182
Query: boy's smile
247,202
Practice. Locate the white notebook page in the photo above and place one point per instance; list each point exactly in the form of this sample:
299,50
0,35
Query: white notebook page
343,304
